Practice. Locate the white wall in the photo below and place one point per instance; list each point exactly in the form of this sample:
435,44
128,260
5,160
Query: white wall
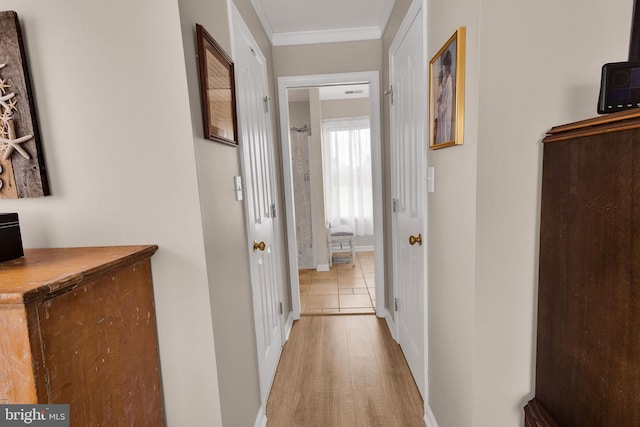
111,93
530,65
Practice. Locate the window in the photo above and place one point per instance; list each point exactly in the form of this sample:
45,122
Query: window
347,173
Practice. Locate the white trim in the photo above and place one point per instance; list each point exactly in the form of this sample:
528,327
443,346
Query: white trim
368,248
391,324
326,36
289,82
408,19
432,419
261,418
429,417
287,327
323,267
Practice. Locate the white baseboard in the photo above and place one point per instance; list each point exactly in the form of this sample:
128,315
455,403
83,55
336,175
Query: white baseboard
322,267
261,419
370,248
429,418
391,325
287,326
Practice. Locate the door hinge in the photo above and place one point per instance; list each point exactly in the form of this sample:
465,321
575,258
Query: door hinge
395,205
281,310
266,104
273,210
395,304
390,93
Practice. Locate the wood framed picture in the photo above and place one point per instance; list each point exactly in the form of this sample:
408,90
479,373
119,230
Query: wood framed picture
217,90
446,93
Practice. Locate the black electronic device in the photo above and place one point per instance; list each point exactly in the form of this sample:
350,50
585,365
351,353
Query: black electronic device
619,87
10,239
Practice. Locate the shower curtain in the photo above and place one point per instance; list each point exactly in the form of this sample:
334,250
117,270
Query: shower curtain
302,198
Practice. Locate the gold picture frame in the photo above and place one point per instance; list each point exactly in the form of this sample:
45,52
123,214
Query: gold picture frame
446,93
217,90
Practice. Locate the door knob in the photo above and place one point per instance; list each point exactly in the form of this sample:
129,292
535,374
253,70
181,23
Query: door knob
415,239
257,246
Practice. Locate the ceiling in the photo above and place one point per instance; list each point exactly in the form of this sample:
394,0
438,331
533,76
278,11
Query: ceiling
290,22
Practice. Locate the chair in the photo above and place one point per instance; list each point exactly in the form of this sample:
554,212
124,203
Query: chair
340,236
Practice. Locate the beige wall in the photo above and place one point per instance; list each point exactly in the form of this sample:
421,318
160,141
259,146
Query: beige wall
452,235
522,78
225,235
111,94
326,58
338,108
559,84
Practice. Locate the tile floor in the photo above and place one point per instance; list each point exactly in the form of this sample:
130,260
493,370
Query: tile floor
345,289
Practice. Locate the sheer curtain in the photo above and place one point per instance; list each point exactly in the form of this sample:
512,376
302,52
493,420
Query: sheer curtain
348,189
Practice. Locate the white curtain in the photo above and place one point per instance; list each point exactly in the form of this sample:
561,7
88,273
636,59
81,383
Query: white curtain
348,189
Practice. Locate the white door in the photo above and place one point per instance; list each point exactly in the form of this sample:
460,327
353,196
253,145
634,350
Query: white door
256,145
407,148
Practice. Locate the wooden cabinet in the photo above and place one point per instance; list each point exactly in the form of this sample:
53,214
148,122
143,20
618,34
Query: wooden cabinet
588,335
77,326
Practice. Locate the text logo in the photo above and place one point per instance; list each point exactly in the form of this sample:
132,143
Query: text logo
34,415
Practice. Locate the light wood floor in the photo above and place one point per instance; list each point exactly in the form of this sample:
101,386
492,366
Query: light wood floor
343,371
345,288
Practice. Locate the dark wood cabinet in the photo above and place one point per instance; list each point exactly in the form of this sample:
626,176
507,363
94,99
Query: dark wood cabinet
78,327
588,335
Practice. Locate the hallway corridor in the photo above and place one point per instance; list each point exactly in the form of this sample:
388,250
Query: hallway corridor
343,371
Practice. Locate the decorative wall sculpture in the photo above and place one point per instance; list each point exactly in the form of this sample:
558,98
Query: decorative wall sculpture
22,171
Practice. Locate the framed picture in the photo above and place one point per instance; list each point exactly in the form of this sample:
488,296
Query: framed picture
217,90
446,93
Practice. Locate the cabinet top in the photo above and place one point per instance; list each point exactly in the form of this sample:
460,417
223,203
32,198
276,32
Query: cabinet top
614,122
41,272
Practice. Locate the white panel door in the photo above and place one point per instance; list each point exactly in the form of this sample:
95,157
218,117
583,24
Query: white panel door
407,142
256,146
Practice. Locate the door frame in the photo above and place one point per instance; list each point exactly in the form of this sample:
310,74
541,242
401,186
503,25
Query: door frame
317,80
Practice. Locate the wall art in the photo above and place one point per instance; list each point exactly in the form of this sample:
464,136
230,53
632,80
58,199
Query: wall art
446,93
217,90
22,169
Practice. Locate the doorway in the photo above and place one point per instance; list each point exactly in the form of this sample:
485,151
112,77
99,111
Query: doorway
330,136
290,88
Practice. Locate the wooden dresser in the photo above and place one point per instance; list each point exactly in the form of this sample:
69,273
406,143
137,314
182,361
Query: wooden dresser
588,345
77,326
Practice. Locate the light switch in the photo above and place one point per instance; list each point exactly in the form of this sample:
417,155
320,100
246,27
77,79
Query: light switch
237,184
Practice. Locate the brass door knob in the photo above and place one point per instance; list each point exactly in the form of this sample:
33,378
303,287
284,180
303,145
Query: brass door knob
260,246
415,239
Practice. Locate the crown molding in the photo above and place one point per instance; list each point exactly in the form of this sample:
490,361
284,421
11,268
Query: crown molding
262,17
325,36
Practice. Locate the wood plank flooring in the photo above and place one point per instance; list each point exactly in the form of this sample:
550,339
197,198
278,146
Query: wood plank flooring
343,371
